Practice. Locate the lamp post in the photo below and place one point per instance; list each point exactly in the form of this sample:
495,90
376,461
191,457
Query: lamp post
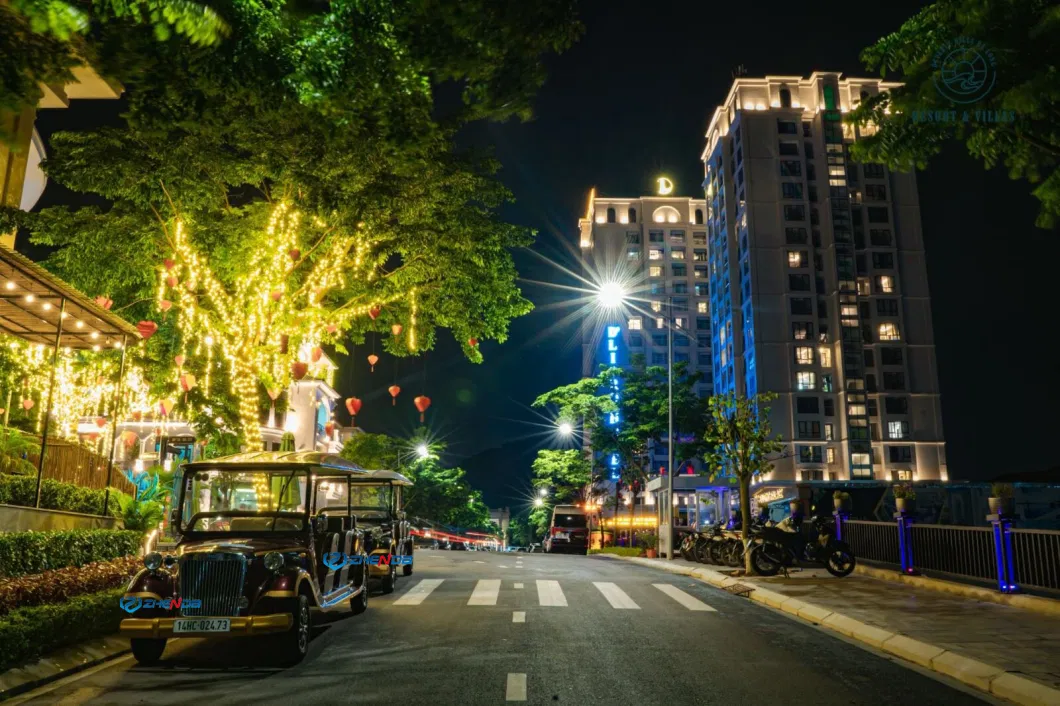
669,512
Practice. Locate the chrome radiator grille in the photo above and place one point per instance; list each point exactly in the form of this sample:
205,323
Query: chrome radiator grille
214,579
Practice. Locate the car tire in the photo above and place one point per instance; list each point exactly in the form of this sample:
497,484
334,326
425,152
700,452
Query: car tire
388,584
147,650
359,603
406,570
294,644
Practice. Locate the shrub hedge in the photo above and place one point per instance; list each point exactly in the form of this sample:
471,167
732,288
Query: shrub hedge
27,633
63,584
620,551
35,552
56,495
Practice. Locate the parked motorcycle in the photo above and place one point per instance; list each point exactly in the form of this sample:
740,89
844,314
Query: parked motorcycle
778,550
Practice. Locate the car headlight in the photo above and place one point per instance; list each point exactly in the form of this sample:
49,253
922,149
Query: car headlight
274,561
153,561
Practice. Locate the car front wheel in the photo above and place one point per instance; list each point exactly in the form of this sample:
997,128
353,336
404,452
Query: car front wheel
390,582
148,650
295,642
359,603
406,570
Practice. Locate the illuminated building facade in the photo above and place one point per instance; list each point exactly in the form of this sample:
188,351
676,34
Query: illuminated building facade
656,246
818,284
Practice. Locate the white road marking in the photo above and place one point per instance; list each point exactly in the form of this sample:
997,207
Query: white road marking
486,592
519,616
503,566
549,593
479,561
419,592
518,585
616,596
516,690
688,601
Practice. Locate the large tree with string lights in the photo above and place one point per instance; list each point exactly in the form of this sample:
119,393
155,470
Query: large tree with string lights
298,185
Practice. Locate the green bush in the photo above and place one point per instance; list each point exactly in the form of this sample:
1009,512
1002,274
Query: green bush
28,633
57,495
36,552
620,551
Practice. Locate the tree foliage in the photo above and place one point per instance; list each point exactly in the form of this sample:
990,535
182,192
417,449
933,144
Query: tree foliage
565,472
1024,36
742,442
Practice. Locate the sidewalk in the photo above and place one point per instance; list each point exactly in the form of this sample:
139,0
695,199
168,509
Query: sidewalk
1010,640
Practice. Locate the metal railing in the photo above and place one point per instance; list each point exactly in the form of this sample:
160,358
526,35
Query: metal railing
872,541
1036,554
950,549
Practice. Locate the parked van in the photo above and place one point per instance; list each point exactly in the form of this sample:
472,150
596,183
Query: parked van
569,531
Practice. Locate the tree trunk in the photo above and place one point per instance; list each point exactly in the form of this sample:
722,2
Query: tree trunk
745,518
245,387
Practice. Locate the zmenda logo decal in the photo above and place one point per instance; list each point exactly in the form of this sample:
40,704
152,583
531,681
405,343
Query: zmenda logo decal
131,604
338,560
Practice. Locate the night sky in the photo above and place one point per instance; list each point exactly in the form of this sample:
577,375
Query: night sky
632,100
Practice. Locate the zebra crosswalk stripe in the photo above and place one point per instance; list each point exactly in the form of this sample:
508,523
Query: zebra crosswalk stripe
418,593
616,596
688,601
550,594
486,592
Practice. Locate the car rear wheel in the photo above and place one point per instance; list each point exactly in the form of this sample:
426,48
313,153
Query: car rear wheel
148,650
388,584
294,644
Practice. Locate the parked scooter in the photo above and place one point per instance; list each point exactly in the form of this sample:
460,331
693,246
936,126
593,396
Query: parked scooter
778,550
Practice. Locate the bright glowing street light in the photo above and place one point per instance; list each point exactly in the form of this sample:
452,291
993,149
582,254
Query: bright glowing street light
611,295
565,428
543,492
422,451
538,502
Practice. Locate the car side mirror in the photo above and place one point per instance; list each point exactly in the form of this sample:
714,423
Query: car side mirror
320,524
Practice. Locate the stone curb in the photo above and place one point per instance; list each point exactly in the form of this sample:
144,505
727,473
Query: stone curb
61,664
981,676
1037,604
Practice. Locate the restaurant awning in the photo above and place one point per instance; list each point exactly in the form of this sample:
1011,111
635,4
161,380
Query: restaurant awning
37,306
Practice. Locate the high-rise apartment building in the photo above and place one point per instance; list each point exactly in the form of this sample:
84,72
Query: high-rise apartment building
656,247
818,283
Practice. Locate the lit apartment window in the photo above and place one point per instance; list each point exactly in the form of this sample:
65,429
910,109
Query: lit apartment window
885,284
655,254
802,330
848,311
889,332
829,435
903,475
856,410
805,381
825,355
860,459
656,306
803,355
655,271
826,383
863,287
701,307
660,322
796,258
635,324
633,253
897,430
679,322
830,453
677,253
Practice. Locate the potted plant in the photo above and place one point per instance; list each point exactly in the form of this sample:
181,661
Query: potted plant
1001,499
648,541
796,507
904,495
840,499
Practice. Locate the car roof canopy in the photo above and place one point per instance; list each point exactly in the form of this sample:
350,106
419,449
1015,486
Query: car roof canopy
331,464
388,476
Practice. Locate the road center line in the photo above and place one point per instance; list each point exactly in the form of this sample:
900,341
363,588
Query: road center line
688,601
519,616
419,592
516,690
486,592
616,596
550,594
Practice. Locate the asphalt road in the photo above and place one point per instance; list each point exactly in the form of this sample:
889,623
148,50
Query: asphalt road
561,629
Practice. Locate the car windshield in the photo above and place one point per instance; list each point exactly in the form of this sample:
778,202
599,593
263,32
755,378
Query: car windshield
569,521
371,497
244,501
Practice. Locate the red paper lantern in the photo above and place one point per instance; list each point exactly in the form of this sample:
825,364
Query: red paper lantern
472,342
169,264
329,428
299,370
332,329
394,391
396,329
422,403
172,281
372,360
104,302
353,406
137,416
276,295
2,410
179,360
165,305
294,254
129,438
147,329
101,422
374,312
27,404
317,354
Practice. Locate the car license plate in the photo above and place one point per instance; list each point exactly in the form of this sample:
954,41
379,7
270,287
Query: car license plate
202,625
562,535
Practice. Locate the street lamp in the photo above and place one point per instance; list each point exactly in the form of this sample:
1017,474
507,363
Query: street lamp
566,429
422,451
539,502
543,492
611,295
